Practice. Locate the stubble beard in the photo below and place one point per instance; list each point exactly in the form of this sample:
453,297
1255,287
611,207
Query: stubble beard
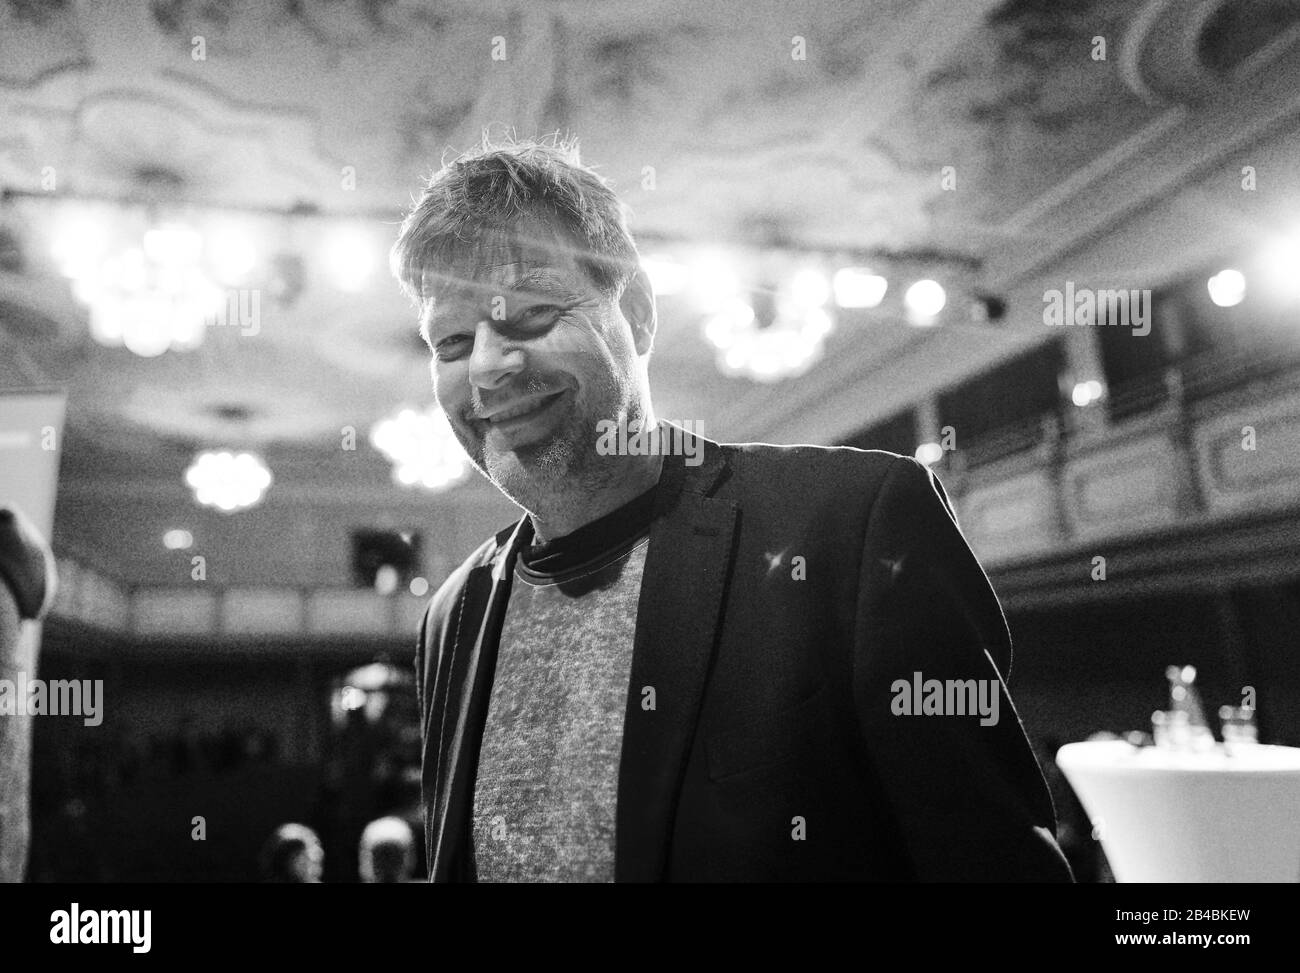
563,468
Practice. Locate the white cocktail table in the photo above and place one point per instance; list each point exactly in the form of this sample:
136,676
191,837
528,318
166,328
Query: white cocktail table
1172,816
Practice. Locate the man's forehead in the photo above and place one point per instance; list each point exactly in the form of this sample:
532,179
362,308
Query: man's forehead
498,261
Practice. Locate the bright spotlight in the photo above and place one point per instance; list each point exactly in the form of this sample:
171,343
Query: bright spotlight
386,579
79,244
147,330
172,245
352,698
929,453
666,275
725,328
809,288
350,259
1280,264
858,287
231,254
1085,393
178,540
925,299
1227,288
713,281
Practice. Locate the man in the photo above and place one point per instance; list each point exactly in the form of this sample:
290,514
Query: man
688,667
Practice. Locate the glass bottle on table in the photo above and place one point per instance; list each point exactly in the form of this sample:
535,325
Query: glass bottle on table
1239,729
1187,727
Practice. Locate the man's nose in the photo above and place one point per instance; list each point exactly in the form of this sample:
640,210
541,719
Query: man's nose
495,359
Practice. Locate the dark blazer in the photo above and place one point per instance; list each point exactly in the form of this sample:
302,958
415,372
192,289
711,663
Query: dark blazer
773,751
27,586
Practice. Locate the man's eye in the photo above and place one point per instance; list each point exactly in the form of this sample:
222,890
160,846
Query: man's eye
449,348
540,314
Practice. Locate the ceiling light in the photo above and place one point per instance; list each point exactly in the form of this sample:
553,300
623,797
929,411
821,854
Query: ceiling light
924,300
809,288
173,244
349,259
231,254
713,281
178,540
724,327
228,481
422,447
80,243
1085,393
666,275
386,579
1280,263
858,287
1228,287
929,453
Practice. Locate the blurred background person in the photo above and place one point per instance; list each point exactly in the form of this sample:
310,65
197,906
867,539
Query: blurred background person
387,852
293,854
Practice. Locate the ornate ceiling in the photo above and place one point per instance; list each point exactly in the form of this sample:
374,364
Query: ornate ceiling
338,109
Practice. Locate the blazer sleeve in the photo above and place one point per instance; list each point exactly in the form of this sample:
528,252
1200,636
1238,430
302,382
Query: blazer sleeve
964,787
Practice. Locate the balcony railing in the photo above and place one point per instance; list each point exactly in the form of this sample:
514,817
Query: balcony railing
1212,439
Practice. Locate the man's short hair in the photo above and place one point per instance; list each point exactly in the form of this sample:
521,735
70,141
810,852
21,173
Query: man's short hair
493,188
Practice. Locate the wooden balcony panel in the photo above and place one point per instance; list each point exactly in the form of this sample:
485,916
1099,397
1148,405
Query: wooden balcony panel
1235,479
262,611
1122,487
1007,518
348,611
86,595
174,611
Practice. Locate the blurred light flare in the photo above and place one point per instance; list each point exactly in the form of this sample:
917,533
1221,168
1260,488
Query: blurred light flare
858,287
422,447
667,276
1228,287
1086,393
178,539
227,480
1279,265
924,300
350,258
929,453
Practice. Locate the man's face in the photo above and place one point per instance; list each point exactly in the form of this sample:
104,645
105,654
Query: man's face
528,356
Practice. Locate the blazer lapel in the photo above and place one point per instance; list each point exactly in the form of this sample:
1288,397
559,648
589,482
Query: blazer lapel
466,692
687,567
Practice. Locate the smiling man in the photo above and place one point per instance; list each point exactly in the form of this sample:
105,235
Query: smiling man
671,670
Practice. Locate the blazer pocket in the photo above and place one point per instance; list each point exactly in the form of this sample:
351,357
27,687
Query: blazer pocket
765,739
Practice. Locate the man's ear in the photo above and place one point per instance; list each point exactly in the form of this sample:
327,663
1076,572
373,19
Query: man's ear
638,306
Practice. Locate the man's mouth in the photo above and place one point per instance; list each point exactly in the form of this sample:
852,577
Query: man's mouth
521,411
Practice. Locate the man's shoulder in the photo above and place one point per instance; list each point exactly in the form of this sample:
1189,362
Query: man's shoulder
819,467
